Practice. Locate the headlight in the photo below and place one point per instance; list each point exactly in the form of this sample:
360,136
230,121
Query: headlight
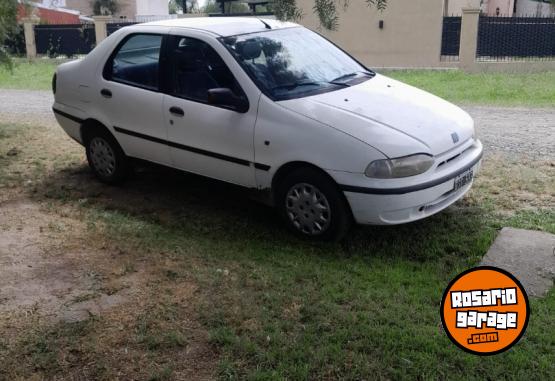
400,167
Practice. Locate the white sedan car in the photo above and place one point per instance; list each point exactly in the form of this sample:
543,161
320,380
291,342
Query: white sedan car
273,107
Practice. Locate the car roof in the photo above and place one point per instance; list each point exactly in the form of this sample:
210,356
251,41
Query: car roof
224,26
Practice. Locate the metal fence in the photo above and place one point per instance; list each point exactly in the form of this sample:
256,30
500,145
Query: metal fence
139,19
113,26
243,14
64,39
116,24
70,39
67,39
451,38
516,38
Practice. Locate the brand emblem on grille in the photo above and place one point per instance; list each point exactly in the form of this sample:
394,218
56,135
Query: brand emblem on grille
455,137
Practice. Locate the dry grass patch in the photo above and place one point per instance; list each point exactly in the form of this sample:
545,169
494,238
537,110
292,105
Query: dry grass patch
84,306
511,184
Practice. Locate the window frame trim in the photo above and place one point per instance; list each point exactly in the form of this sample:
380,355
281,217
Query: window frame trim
108,65
169,86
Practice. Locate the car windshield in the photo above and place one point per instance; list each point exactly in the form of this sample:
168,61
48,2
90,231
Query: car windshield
294,62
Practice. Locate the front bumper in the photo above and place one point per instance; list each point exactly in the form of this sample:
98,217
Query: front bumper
414,201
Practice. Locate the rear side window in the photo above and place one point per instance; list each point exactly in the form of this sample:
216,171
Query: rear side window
136,62
197,68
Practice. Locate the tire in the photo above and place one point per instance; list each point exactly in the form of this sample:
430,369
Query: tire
328,218
106,158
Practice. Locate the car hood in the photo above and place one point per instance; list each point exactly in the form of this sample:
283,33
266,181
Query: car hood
393,117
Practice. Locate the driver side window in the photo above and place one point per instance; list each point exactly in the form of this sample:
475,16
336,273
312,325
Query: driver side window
197,68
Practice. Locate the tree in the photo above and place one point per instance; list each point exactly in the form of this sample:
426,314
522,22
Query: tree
8,25
105,7
236,7
230,7
211,7
326,10
287,10
177,5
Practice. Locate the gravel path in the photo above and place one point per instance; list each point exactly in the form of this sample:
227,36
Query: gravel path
527,131
26,107
523,131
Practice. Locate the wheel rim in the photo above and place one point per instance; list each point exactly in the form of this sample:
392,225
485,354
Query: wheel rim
102,156
308,209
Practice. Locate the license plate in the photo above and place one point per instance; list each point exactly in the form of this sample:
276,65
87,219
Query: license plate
464,179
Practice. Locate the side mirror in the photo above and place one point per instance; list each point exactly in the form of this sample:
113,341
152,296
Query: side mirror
222,96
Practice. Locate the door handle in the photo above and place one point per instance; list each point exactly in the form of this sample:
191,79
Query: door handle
106,93
177,111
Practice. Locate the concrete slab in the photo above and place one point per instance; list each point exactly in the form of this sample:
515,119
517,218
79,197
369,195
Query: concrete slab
528,255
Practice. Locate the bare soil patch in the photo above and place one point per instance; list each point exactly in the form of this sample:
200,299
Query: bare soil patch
75,304
41,276
55,273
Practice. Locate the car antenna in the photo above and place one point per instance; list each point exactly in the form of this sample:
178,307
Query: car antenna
265,24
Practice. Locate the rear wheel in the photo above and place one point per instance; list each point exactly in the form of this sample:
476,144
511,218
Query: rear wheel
106,158
313,206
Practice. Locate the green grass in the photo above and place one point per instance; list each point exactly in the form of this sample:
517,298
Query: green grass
41,345
276,307
36,75
362,310
526,89
502,89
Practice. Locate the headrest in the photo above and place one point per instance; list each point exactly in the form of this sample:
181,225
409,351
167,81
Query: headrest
188,58
249,50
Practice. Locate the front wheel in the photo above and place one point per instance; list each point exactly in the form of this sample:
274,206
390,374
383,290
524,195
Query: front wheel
106,158
313,206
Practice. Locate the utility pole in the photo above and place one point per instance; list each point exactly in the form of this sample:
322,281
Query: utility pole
184,3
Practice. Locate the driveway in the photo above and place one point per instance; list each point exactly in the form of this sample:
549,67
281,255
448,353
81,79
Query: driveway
527,131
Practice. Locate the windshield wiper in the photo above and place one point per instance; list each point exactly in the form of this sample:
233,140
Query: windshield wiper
292,86
339,80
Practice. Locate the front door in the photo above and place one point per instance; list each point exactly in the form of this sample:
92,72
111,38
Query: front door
131,99
210,140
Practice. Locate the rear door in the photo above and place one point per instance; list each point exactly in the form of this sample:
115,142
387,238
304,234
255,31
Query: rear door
130,96
210,140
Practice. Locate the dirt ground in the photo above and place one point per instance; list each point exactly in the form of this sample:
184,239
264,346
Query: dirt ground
54,272
54,269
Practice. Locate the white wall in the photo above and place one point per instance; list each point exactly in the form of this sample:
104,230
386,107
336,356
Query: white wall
505,7
411,34
454,7
152,7
53,3
533,8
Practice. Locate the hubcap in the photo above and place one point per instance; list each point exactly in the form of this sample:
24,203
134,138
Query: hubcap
308,209
102,156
